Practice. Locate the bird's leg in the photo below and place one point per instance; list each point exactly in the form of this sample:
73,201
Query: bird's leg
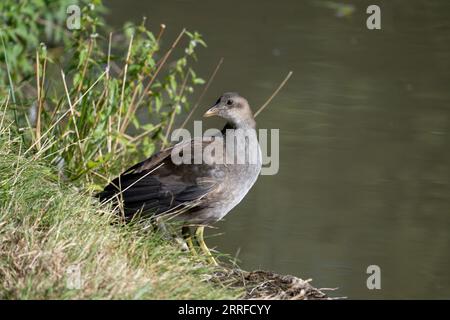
186,231
202,244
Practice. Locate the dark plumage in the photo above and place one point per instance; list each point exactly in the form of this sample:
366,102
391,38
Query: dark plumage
199,194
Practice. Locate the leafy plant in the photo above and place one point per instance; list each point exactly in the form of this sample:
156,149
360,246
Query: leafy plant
24,25
116,100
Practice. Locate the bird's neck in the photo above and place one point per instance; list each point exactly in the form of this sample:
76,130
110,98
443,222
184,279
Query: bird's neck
247,124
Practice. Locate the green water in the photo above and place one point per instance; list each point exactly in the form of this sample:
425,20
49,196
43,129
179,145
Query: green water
364,135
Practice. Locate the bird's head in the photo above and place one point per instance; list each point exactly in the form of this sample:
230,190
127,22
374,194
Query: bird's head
234,108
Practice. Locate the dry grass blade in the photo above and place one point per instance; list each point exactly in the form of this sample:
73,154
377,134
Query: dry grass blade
143,134
66,112
38,89
205,89
274,94
173,113
160,65
4,112
124,81
83,73
72,112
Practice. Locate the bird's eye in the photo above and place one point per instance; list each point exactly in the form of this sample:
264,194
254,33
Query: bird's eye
229,102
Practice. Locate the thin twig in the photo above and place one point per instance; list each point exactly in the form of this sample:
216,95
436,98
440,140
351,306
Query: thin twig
273,94
38,89
11,85
161,31
132,106
124,80
172,116
161,64
211,78
109,139
83,73
4,112
130,110
43,92
72,112
133,139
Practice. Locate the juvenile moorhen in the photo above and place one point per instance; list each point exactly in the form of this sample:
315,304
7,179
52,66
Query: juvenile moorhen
195,193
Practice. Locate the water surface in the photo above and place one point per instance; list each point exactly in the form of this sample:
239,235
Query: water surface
364,135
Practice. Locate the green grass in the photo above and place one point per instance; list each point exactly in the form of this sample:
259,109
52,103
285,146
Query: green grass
47,226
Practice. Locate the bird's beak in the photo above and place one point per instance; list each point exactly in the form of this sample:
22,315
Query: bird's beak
211,112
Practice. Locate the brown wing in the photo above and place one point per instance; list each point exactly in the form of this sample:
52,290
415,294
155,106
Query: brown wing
157,185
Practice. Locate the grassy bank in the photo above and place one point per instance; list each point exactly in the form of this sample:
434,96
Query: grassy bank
47,227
